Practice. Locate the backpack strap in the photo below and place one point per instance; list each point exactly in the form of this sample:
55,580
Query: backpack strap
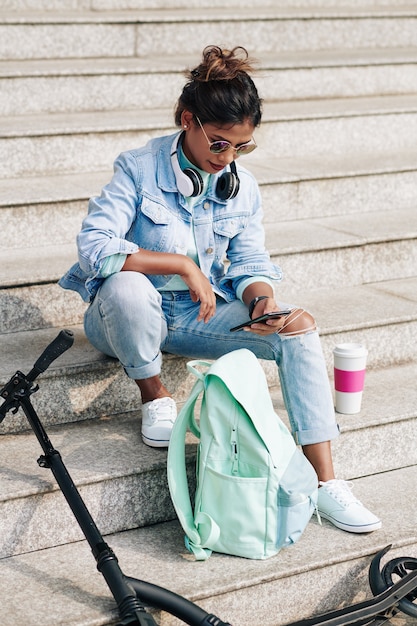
202,530
201,376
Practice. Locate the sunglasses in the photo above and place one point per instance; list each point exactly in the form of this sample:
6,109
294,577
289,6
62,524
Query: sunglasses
217,147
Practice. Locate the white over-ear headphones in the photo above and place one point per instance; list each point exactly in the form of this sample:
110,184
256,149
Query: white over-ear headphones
190,183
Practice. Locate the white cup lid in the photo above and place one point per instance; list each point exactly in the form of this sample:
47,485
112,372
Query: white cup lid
350,349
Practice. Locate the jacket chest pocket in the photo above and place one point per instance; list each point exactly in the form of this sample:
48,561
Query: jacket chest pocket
225,229
156,226
229,226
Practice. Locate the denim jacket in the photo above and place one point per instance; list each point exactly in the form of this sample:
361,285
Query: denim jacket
142,208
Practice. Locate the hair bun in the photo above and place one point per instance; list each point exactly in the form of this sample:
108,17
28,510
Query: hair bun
221,64
220,89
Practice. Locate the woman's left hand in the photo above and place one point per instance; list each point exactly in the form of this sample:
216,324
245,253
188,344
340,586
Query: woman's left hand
268,305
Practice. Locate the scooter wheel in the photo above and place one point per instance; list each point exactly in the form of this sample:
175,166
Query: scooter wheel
400,568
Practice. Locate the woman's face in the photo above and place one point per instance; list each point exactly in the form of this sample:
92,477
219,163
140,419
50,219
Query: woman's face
196,147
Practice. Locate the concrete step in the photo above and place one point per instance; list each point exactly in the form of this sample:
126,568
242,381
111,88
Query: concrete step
299,188
345,250
121,479
326,569
112,5
336,127
64,143
310,187
82,384
46,263
91,34
380,315
57,63
116,472
351,250
69,85
36,306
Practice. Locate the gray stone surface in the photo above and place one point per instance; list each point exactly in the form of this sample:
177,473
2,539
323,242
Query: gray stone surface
94,34
290,129
376,248
124,481
308,6
82,80
298,188
296,583
65,85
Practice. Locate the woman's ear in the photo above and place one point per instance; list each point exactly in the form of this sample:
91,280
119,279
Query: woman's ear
186,119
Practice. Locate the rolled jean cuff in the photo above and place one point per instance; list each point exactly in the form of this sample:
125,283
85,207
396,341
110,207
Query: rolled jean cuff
308,437
145,371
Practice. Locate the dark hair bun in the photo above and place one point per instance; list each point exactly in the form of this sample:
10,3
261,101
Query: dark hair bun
220,89
221,64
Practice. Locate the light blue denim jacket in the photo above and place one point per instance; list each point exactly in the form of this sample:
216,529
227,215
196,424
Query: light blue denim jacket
142,208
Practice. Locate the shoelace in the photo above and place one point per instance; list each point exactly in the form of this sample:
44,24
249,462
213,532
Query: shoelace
164,406
341,491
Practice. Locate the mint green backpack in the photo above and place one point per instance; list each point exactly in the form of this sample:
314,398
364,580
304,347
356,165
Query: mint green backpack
256,491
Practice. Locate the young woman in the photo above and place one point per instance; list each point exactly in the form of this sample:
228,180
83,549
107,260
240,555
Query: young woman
171,256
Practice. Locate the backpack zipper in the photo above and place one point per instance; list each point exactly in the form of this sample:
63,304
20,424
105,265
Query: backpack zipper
235,456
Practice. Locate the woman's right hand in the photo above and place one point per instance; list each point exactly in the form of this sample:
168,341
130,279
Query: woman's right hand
200,289
149,262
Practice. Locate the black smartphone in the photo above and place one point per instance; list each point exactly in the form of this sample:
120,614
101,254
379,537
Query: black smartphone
263,318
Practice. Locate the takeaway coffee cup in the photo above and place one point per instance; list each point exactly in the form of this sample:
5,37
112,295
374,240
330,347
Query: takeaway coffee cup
349,376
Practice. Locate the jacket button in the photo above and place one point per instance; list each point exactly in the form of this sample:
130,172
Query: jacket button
209,251
206,205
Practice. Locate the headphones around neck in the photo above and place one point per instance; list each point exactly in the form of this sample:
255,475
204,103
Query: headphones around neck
190,183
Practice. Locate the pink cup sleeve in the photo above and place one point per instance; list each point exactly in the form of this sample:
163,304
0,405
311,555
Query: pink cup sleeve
350,382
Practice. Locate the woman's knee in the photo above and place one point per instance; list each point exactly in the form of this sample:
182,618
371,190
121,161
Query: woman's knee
129,292
298,322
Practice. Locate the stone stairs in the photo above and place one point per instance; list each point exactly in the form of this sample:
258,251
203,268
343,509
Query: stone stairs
82,80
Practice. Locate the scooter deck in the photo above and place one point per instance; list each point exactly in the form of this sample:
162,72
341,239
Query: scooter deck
378,608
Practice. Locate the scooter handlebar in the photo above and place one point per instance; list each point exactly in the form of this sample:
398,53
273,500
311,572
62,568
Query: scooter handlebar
58,346
20,385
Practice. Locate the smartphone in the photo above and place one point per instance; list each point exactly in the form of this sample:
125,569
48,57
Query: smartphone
263,318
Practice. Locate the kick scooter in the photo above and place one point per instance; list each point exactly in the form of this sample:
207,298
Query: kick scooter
132,595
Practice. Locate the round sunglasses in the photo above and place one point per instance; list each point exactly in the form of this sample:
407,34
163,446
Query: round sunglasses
217,147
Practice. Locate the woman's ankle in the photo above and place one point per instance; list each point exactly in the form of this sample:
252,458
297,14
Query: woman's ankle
152,389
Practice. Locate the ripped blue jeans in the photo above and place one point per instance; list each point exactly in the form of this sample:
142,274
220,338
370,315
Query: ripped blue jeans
133,322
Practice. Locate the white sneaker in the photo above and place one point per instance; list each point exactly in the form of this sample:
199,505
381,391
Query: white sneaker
337,504
158,418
